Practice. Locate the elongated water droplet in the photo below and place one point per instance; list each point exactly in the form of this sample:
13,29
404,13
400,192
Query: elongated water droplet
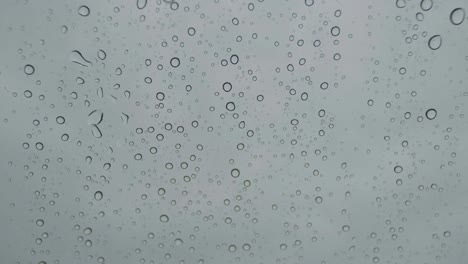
77,57
95,117
96,131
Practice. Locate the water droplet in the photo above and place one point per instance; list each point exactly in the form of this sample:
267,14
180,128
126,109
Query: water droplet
398,169
400,3
40,222
141,3
164,218
95,131
309,2
191,31
435,42
29,69
102,54
235,173
78,58
95,117
457,16
83,11
426,5
232,248
60,120
175,62
98,196
227,86
230,106
319,199
431,114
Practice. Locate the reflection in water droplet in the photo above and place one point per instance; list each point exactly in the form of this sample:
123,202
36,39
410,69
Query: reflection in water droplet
435,42
457,16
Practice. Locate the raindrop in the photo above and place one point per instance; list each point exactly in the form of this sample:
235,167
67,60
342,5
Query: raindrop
95,117
175,62
98,196
435,42
29,69
141,4
398,169
457,16
95,131
60,120
234,59
102,54
230,106
309,2
83,11
431,114
78,58
227,86
400,3
164,218
426,5
235,173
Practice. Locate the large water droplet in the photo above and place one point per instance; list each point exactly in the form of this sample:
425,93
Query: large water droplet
141,4
95,117
400,3
29,69
83,11
164,218
426,5
435,42
98,195
457,16
431,114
